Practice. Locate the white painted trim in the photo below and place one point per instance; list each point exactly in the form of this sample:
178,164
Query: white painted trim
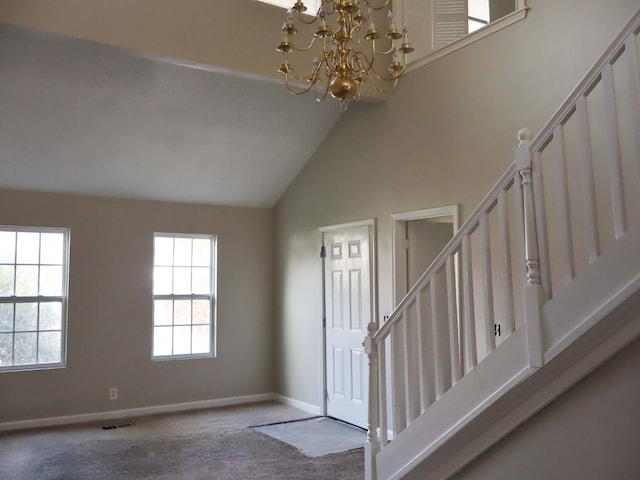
342,226
449,210
470,38
397,218
136,412
292,402
373,279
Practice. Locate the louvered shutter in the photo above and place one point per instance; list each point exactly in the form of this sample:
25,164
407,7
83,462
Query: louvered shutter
451,21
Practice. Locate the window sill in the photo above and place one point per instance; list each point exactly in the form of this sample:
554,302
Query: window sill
490,29
31,368
169,358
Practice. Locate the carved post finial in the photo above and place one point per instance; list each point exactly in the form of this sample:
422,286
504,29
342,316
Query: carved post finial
524,136
372,328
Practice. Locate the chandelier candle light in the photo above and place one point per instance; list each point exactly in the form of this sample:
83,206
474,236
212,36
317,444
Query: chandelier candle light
347,51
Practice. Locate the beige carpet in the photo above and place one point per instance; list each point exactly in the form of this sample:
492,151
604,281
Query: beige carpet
213,444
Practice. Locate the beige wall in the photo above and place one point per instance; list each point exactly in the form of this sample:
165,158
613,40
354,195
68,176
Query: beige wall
166,28
110,306
445,137
592,432
426,240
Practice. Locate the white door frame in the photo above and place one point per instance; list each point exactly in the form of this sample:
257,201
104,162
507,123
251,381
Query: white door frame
371,223
398,257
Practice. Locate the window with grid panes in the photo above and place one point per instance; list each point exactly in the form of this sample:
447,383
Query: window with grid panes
33,297
183,295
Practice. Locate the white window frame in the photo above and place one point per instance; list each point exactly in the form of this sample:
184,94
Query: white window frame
211,296
63,299
519,13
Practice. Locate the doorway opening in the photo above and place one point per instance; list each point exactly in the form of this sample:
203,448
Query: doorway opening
417,238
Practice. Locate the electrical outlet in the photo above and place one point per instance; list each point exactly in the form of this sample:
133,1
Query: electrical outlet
113,393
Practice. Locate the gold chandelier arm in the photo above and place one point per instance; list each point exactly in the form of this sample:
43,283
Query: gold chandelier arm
367,67
309,78
293,90
395,76
361,59
380,89
300,17
377,7
305,49
372,45
329,6
385,52
319,98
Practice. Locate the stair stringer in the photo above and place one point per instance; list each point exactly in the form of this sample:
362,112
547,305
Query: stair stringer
584,325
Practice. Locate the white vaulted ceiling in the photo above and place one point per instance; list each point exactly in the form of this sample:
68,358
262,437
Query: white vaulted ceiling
80,116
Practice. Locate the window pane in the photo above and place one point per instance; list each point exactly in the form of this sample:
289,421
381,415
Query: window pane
162,280
201,280
32,332
26,281
25,349
51,248
473,25
182,280
201,309
162,341
182,270
7,247
201,252
51,281
6,349
28,247
49,347
6,280
51,316
479,9
162,312
163,251
182,312
201,339
26,317
6,317
181,340
182,252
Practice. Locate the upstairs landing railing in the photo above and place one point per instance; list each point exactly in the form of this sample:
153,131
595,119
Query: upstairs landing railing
568,196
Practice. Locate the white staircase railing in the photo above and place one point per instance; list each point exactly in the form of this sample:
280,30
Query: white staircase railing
536,230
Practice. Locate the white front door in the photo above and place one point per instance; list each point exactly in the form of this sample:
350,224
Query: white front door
348,307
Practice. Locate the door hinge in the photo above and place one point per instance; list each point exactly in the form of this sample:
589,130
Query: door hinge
323,252
324,322
406,244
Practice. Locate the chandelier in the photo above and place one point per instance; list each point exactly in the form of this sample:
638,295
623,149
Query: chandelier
346,41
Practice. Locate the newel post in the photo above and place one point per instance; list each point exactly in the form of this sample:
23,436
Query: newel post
533,284
372,445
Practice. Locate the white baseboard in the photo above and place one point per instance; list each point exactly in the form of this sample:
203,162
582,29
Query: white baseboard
138,412
307,407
